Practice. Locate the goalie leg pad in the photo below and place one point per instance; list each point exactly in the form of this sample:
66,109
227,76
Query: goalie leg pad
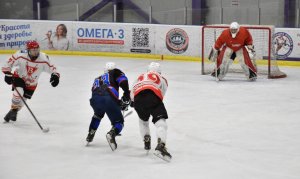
213,55
224,61
227,61
224,68
248,65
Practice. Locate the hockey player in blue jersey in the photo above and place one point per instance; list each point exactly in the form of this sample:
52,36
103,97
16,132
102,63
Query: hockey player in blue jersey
105,100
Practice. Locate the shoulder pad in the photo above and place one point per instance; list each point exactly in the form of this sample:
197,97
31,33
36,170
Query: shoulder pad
118,70
43,56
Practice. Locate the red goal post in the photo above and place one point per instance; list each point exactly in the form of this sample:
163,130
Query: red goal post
262,41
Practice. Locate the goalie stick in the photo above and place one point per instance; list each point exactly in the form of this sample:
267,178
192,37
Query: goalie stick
216,61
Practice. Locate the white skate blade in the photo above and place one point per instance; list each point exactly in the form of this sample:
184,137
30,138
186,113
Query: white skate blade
111,145
165,158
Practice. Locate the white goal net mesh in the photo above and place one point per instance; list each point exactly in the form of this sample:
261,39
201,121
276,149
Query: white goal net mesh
262,41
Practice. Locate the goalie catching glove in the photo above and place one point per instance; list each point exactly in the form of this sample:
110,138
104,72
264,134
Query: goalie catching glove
251,51
54,80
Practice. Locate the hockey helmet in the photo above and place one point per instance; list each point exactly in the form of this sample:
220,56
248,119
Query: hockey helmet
31,44
234,29
33,49
109,66
154,67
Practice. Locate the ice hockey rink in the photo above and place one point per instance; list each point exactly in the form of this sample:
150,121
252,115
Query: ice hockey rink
232,129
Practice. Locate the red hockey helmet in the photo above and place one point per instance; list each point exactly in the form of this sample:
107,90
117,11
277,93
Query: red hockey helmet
33,49
32,44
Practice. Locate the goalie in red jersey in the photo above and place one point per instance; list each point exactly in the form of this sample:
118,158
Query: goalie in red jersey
234,42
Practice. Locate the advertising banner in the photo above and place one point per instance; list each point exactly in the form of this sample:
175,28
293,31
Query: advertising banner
99,37
51,35
176,40
287,43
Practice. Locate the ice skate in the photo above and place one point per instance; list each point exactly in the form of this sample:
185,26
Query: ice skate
110,136
11,115
214,73
147,142
252,76
161,152
90,136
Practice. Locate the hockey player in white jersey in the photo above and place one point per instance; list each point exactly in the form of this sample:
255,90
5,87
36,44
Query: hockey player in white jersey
147,95
27,65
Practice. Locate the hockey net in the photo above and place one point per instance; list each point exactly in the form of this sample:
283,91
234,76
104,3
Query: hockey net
262,41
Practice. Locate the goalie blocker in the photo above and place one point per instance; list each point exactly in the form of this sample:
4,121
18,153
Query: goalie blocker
213,54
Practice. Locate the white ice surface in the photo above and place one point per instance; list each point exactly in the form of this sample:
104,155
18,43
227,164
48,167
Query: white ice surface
232,129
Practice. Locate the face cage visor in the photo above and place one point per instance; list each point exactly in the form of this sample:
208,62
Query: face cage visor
234,32
34,53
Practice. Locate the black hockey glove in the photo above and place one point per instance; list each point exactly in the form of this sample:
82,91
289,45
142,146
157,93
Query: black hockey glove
54,80
125,102
19,82
132,104
8,78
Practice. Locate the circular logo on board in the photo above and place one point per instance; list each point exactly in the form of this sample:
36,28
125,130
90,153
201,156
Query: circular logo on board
283,45
177,41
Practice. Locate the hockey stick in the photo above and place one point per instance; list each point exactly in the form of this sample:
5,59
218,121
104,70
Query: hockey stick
127,114
216,63
43,129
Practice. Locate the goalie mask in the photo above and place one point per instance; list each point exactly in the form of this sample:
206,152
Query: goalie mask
109,66
33,49
155,67
234,29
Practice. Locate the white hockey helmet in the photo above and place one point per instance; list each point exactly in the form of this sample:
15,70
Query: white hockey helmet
109,66
234,29
155,67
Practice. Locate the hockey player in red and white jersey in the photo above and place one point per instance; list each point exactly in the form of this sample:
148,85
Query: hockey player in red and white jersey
234,42
147,94
28,65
